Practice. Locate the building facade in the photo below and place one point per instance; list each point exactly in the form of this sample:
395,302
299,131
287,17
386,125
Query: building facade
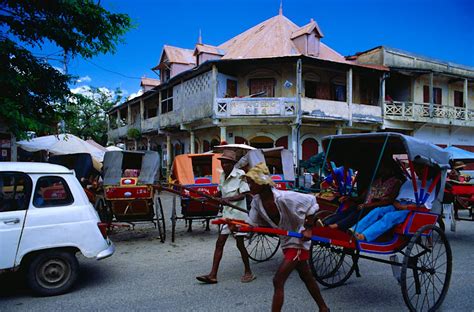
278,84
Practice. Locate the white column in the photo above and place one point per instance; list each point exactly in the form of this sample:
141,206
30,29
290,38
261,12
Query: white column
431,94
339,130
148,143
223,134
129,115
191,142
466,100
168,154
119,118
142,109
294,144
349,94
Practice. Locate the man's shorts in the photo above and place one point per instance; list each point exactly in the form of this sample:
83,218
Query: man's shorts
295,254
224,230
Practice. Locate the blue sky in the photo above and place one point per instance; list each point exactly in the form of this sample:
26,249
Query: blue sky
436,28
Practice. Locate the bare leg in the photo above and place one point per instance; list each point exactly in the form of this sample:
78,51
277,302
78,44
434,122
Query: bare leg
305,274
244,254
333,226
220,243
286,267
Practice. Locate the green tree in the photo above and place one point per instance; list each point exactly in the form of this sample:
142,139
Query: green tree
89,111
34,95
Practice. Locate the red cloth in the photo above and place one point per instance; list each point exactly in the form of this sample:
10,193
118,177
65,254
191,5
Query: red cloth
295,254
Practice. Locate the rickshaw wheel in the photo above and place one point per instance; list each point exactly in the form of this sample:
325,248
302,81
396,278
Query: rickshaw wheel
261,247
426,269
160,217
331,265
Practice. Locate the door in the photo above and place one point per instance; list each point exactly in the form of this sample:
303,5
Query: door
15,192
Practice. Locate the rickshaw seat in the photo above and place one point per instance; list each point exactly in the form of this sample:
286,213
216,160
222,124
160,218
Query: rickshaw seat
415,220
203,180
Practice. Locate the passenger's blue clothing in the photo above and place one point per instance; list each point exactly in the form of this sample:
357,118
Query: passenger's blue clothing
344,183
380,220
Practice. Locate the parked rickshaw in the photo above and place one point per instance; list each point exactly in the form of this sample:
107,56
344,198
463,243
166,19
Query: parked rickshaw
129,195
425,270
193,174
83,167
459,191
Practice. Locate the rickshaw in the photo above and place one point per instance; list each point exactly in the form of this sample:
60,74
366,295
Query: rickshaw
424,273
194,176
83,167
129,194
459,192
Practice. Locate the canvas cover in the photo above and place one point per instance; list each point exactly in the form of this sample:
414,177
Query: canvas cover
81,163
64,144
183,168
253,157
115,162
361,152
456,153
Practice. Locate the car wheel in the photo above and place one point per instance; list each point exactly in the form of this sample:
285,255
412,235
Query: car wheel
52,272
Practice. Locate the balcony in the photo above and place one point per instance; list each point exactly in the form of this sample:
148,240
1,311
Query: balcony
439,114
237,107
115,134
150,124
336,110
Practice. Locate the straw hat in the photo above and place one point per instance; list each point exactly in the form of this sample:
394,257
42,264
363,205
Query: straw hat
459,165
260,175
228,155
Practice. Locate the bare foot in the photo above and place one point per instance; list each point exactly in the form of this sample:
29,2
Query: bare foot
333,226
359,236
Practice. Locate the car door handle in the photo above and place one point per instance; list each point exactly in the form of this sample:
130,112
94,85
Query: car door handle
11,221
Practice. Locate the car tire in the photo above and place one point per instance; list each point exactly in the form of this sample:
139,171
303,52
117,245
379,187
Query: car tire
52,273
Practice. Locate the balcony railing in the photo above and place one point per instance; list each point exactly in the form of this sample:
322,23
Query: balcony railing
150,124
233,107
426,112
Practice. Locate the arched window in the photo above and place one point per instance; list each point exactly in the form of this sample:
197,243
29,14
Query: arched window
196,146
283,141
310,148
240,140
261,142
214,142
206,146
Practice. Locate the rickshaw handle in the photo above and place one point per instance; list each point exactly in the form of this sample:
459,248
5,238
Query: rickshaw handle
217,199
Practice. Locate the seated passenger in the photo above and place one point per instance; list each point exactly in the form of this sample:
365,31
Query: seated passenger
382,192
340,179
455,174
382,219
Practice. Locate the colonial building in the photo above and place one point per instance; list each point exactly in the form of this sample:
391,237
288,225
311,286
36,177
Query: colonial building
278,84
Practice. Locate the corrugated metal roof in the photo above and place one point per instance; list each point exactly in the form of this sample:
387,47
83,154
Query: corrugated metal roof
149,82
179,55
307,29
206,48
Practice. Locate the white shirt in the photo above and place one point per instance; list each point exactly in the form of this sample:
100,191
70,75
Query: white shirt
407,194
231,186
293,208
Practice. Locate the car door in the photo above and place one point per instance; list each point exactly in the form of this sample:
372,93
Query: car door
15,192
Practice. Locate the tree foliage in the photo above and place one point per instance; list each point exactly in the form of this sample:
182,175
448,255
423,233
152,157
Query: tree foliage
34,95
89,113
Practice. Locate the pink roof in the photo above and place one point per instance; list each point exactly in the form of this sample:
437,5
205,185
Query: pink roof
206,48
307,29
178,55
149,82
272,38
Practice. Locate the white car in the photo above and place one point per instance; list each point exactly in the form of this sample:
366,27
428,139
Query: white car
45,219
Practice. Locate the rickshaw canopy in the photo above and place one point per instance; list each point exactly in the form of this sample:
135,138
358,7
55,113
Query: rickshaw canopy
115,162
363,151
183,168
456,153
277,156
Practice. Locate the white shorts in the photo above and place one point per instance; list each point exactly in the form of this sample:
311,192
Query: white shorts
224,230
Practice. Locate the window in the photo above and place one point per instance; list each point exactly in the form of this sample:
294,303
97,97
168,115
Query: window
165,74
231,88
437,95
338,92
151,112
458,99
15,191
166,100
310,89
262,87
52,192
